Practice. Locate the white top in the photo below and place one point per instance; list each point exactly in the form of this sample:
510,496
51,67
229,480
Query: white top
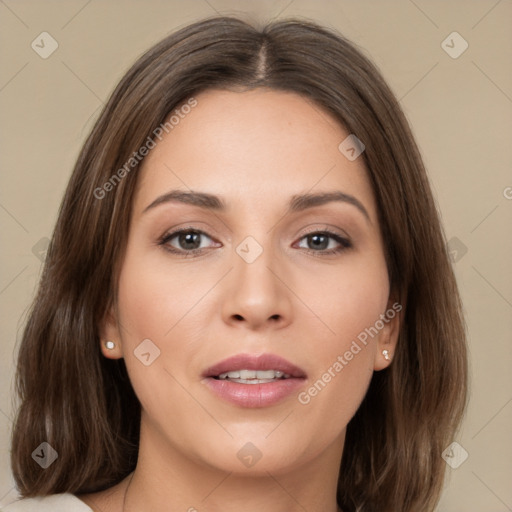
54,503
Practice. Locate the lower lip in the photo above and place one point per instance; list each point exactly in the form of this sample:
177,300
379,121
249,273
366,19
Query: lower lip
254,395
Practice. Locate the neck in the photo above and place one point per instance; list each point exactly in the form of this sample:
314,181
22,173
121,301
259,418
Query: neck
166,479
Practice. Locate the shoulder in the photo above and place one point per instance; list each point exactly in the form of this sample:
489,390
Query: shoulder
54,503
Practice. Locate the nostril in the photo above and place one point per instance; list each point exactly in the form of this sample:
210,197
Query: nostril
275,317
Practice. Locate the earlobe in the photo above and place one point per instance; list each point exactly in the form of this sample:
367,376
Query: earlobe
111,350
383,358
388,339
110,344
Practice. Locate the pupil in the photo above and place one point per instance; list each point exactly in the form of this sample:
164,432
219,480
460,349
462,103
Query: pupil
319,242
190,240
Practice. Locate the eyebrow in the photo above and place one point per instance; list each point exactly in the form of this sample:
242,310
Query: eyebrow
297,203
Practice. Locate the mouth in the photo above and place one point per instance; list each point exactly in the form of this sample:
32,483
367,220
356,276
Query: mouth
249,380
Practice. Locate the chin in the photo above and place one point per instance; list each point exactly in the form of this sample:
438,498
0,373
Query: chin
254,455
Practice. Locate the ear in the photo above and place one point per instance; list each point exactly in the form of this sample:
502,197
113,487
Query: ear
109,332
388,336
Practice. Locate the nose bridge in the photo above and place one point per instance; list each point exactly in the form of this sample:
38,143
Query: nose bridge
256,294
252,265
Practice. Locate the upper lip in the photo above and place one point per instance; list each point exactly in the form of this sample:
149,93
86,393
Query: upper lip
254,362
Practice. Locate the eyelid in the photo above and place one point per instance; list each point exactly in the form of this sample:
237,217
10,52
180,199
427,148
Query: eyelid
326,228
330,230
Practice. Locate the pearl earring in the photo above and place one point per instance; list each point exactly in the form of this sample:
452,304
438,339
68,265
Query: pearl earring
110,345
385,353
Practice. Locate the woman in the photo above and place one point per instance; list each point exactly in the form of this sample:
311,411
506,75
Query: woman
247,300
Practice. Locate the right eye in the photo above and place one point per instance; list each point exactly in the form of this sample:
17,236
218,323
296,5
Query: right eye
186,242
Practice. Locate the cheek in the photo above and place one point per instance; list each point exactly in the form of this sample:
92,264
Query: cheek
149,306
153,303
154,296
160,302
349,300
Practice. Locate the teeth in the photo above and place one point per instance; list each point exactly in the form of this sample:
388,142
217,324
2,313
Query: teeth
254,376
252,381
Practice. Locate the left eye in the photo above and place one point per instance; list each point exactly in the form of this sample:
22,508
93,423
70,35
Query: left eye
324,241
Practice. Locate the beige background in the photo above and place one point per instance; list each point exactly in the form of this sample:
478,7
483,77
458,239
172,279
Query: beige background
460,110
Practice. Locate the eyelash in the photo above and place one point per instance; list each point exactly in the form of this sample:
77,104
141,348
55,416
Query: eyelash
344,243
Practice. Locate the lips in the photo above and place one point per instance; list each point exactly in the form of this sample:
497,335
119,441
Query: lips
260,362
249,380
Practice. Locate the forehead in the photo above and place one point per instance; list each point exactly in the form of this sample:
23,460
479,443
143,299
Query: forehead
255,148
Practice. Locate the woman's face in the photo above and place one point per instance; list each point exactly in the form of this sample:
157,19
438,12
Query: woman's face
280,270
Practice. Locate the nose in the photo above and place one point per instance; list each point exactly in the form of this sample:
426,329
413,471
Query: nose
257,295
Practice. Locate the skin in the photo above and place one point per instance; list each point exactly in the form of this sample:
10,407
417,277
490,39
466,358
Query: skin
255,150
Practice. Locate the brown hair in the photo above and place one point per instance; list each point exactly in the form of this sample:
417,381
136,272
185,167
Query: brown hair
83,404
